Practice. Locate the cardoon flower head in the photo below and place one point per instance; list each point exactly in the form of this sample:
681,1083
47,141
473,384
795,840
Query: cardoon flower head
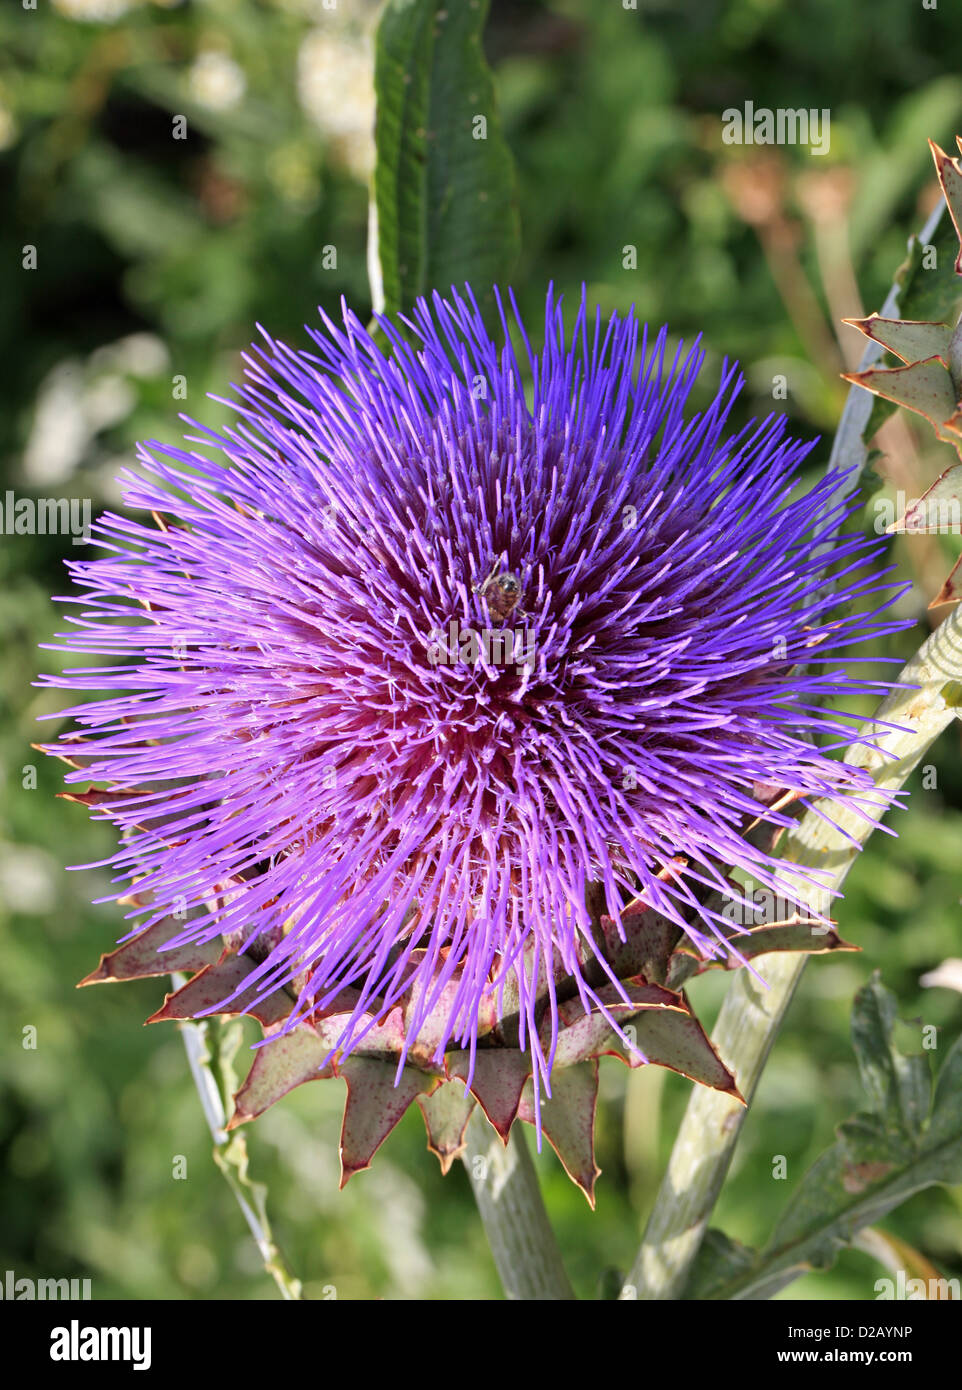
445,662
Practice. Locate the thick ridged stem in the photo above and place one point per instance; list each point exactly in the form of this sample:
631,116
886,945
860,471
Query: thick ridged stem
509,1200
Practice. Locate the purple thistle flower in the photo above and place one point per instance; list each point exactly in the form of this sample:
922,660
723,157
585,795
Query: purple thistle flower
414,655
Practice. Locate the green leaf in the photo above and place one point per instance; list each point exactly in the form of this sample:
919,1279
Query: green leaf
444,208
377,1099
935,510
908,339
881,1158
677,1040
803,935
931,293
285,1062
568,1121
446,1113
497,1082
950,177
720,1261
143,956
946,1119
897,1086
923,387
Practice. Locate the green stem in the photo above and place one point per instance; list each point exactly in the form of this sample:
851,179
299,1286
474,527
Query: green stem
751,1013
509,1200
230,1148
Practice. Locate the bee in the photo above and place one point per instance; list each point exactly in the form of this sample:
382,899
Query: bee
502,591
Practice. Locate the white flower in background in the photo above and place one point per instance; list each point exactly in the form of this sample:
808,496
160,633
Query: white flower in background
28,879
108,400
92,11
216,81
331,12
139,354
948,975
335,83
60,434
77,399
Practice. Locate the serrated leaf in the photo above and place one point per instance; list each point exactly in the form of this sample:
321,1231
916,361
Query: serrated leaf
927,514
446,1113
874,1166
497,1082
568,1121
374,1106
278,1067
646,949
806,934
909,339
142,957
923,387
658,1024
947,1103
930,293
584,1034
719,1261
950,177
94,797
951,590
379,1039
678,1041
215,984
444,207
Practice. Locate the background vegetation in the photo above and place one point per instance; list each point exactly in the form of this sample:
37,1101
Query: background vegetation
155,257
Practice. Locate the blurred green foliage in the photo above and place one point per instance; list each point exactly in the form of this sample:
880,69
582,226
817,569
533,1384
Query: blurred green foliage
155,258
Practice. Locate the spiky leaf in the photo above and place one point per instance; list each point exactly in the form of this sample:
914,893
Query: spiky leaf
446,1113
923,387
143,956
912,340
568,1121
280,1065
498,1079
374,1106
